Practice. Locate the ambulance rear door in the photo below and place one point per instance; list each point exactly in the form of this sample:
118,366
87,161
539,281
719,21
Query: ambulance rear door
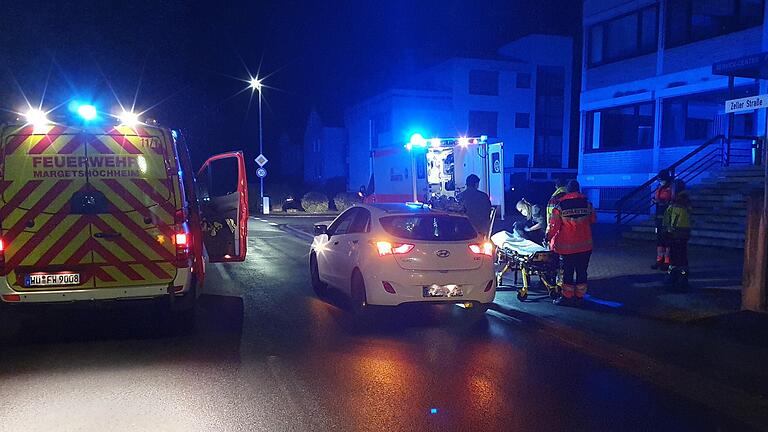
134,182
496,175
46,238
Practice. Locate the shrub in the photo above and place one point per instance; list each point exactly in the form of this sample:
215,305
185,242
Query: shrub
314,202
345,200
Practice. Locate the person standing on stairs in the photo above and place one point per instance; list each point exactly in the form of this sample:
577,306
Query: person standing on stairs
662,199
677,224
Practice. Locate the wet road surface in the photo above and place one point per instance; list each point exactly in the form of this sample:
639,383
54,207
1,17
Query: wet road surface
267,355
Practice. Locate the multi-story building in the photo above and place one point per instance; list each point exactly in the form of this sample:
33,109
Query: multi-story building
324,151
521,97
648,93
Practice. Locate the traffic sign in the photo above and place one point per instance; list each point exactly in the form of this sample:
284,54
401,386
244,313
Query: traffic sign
746,104
261,172
261,160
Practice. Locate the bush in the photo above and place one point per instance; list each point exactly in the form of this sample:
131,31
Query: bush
345,200
314,202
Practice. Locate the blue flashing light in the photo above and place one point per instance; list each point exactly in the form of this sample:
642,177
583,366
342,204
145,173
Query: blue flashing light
433,411
87,112
417,140
434,142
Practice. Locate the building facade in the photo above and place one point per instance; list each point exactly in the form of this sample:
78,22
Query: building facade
648,94
325,151
522,97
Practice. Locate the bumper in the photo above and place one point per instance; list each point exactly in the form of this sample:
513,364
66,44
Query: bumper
182,284
409,286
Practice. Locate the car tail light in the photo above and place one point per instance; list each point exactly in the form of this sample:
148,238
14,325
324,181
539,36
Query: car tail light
2,257
11,297
387,248
388,287
485,248
182,241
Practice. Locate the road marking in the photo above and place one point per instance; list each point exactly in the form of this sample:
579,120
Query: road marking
222,271
273,224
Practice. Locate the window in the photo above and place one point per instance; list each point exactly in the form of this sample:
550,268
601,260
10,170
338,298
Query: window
622,128
694,20
429,227
483,123
523,80
692,119
522,120
362,222
550,110
342,224
484,82
624,37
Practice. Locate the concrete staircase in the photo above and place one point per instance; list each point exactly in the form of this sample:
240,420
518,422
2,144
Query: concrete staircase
719,208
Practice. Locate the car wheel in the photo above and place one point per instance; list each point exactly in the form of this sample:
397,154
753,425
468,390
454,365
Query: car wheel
358,296
320,287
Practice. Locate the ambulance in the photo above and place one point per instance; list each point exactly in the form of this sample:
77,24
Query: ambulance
426,170
98,211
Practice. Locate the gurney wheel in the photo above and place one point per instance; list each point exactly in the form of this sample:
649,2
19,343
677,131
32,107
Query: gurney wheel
522,295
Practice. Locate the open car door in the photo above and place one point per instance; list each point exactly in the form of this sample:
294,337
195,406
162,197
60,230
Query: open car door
223,197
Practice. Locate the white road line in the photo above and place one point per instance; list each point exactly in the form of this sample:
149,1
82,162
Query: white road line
222,272
273,224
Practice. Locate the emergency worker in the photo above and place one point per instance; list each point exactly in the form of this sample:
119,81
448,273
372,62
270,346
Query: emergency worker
677,225
662,199
570,236
533,227
476,205
555,198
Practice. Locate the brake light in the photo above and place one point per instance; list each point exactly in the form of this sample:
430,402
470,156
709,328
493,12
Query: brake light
182,240
2,257
387,248
485,248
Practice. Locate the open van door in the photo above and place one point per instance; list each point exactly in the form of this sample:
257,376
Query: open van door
496,175
223,197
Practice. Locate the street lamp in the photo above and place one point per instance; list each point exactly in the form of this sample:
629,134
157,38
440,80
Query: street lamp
255,84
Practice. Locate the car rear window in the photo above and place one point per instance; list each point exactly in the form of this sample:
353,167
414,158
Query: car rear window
429,227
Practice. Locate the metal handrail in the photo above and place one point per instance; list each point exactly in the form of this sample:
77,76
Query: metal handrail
623,216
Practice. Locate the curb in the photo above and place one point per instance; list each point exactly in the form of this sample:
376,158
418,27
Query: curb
729,401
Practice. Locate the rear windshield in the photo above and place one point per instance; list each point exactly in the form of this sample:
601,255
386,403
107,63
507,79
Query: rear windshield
429,227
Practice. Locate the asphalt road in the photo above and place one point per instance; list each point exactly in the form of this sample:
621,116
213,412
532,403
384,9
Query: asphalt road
267,355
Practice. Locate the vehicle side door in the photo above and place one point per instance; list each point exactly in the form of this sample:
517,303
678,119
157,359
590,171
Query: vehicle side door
355,239
223,198
332,260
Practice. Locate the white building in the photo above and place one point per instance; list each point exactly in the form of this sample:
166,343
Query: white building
648,94
522,97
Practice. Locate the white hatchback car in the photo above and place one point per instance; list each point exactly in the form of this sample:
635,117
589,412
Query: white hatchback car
390,254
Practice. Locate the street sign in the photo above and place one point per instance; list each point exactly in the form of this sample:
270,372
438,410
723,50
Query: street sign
261,172
746,104
261,160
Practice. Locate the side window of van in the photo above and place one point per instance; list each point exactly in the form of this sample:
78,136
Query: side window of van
217,179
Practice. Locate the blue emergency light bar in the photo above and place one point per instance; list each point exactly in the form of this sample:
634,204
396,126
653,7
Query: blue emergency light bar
418,141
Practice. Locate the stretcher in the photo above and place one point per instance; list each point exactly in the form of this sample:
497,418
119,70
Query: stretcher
526,259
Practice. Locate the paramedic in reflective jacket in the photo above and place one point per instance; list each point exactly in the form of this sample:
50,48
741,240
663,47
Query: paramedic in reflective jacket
476,205
570,235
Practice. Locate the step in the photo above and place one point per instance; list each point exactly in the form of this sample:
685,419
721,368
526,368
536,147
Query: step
737,233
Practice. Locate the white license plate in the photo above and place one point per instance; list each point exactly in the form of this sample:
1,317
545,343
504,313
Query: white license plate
442,291
52,279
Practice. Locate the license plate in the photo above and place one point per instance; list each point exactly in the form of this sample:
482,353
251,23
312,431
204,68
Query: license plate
51,279
442,291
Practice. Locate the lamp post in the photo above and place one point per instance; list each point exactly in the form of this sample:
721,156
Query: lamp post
255,85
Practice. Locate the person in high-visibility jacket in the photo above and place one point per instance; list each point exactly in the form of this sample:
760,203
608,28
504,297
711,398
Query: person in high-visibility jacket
662,198
677,224
570,236
555,198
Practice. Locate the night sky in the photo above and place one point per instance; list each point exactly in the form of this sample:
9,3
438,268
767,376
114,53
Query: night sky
186,57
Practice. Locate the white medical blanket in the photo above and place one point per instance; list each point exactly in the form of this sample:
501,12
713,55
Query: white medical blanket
507,240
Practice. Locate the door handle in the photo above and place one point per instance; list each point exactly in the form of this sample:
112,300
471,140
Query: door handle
107,235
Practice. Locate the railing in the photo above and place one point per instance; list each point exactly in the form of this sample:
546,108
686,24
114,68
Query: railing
639,201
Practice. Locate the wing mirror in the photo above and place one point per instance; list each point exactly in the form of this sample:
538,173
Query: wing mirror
321,229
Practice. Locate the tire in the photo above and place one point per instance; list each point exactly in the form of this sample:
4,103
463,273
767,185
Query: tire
358,297
320,287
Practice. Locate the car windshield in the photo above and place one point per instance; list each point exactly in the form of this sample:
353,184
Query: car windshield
429,227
